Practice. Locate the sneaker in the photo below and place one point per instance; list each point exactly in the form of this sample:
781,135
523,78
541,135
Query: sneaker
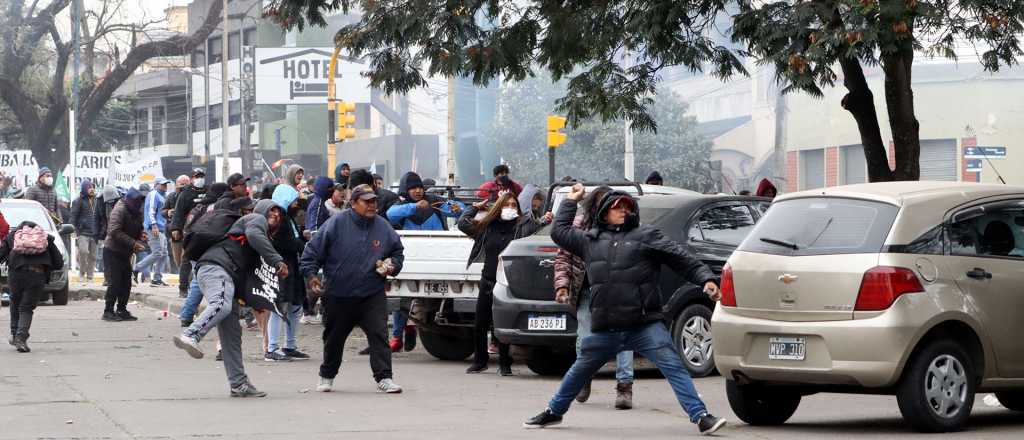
190,345
247,390
365,351
135,278
126,316
219,357
11,341
5,298
21,345
306,320
395,344
543,420
295,354
159,283
708,424
276,356
317,320
186,323
111,317
584,394
476,368
325,386
492,348
505,370
388,386
410,338
252,326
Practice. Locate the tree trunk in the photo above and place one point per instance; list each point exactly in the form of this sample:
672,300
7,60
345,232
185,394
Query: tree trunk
860,102
899,98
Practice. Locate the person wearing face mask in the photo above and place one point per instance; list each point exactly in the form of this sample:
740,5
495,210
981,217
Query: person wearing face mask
502,182
44,193
491,234
83,217
189,195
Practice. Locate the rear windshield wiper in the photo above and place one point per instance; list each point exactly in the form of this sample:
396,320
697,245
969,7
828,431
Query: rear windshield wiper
782,243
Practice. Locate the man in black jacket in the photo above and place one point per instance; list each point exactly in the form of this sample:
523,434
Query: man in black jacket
189,195
83,217
623,260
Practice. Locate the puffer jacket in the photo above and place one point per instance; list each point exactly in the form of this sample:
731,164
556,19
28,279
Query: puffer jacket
624,265
248,240
46,196
124,227
83,216
51,259
188,198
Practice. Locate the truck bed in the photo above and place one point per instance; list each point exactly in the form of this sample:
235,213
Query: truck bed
436,261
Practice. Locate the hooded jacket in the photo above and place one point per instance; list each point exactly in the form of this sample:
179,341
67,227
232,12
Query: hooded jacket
764,187
337,174
154,204
404,214
104,204
51,259
237,258
624,265
187,200
203,205
526,200
497,235
293,170
125,224
289,243
317,214
654,177
348,248
83,212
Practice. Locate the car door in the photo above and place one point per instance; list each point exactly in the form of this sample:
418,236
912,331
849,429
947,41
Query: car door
715,232
986,254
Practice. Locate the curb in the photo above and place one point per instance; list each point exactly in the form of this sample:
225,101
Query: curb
153,301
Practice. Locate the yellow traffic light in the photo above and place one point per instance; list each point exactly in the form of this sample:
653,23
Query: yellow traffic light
345,112
556,137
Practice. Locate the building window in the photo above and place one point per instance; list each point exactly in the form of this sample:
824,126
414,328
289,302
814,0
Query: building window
234,45
142,128
215,116
855,166
197,58
249,37
198,119
158,125
234,112
214,50
812,169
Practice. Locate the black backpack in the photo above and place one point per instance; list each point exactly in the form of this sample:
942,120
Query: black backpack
208,230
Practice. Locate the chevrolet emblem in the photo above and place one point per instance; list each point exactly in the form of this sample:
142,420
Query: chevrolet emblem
787,278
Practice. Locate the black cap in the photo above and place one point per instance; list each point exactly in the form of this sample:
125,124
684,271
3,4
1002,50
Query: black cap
362,192
236,179
196,172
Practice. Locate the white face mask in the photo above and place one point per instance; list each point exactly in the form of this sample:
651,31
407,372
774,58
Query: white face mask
48,181
199,182
509,214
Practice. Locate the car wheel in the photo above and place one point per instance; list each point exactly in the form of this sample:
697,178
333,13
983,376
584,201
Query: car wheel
937,390
761,405
60,297
544,362
455,345
692,334
1012,400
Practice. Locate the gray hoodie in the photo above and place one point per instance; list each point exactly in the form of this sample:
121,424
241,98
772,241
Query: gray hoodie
526,200
238,259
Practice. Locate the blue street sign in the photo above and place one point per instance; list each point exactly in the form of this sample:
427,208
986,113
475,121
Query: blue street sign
981,152
973,165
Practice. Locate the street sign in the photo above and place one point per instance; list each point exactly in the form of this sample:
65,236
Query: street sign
973,165
981,152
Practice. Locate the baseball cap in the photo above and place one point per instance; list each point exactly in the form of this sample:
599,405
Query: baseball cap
363,192
236,179
161,181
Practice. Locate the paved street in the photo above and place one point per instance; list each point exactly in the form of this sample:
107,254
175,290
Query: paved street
90,379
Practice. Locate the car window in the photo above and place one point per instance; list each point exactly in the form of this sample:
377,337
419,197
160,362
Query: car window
996,230
723,224
822,226
15,214
762,207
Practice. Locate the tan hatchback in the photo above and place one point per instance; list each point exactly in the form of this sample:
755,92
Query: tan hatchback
909,288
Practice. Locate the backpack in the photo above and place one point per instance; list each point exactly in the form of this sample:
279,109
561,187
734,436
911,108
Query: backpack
30,240
208,230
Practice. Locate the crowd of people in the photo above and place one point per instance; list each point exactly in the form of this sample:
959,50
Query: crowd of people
325,246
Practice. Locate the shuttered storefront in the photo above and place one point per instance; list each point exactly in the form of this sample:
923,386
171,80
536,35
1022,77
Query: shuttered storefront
939,160
855,166
812,169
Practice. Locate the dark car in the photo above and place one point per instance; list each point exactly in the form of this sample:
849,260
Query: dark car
710,226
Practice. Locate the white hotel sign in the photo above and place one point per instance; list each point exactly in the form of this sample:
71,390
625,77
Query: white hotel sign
298,75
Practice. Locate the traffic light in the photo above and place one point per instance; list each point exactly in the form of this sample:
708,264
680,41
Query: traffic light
556,137
346,120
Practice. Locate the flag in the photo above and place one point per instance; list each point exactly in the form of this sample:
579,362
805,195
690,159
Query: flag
414,161
278,164
61,187
373,167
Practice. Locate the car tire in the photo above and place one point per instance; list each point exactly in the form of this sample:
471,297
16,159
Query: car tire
544,362
455,345
936,393
60,297
760,405
1012,400
692,335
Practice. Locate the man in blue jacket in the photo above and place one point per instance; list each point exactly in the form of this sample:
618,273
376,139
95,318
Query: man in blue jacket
156,226
357,251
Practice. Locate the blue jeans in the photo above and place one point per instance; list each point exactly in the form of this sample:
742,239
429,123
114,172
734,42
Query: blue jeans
623,360
157,258
195,296
398,322
292,314
653,342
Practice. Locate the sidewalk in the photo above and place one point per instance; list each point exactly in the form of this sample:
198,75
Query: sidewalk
158,298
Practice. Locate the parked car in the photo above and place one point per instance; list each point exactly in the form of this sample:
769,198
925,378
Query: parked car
907,288
525,313
17,211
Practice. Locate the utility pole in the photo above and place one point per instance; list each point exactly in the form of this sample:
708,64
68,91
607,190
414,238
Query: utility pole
76,15
628,159
451,130
225,97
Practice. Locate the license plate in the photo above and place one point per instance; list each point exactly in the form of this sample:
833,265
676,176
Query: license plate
435,288
787,349
546,322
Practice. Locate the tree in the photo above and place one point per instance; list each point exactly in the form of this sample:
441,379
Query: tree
805,40
42,114
611,52
594,148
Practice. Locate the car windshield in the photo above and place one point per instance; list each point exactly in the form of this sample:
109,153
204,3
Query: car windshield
15,214
652,209
822,226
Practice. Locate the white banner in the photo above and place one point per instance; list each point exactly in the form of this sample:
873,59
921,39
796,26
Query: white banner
298,75
122,168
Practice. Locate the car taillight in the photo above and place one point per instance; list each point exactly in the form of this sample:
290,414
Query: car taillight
881,286
727,287
501,278
547,249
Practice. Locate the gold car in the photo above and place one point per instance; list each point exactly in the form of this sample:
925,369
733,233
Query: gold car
907,288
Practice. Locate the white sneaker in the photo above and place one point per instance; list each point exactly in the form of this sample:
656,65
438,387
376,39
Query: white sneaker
388,386
317,320
326,385
190,345
305,320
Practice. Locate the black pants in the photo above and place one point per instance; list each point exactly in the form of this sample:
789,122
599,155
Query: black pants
26,288
341,315
483,324
184,275
118,271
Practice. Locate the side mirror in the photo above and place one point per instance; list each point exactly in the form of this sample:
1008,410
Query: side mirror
67,229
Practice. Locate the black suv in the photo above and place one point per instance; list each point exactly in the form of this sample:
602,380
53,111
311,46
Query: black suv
710,226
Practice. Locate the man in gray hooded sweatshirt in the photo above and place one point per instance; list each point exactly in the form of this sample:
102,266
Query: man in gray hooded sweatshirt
219,270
